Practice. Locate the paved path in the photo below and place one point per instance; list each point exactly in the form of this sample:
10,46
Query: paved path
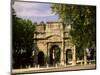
53,69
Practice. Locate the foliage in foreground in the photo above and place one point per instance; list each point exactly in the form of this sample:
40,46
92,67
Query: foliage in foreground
82,20
22,42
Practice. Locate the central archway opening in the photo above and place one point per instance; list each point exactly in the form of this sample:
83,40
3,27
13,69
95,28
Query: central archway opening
54,55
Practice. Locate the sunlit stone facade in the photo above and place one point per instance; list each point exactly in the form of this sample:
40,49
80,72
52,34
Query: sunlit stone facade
54,34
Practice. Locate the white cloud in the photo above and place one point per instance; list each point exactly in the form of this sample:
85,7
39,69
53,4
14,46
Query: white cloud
32,9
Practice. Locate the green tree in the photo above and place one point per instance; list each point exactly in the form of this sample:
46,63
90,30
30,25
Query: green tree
82,20
22,35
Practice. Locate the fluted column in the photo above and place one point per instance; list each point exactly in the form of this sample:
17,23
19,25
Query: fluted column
74,56
62,49
85,57
62,55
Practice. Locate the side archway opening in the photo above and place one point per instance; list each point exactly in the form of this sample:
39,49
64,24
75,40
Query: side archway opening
41,58
68,56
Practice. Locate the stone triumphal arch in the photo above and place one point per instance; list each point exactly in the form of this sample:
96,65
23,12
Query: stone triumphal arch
54,42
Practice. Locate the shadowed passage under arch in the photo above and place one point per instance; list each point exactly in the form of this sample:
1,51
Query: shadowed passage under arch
41,58
54,55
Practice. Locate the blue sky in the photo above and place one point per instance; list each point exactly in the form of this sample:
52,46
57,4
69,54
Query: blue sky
36,12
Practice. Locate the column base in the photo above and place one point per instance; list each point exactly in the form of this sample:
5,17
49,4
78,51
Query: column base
62,64
74,62
85,62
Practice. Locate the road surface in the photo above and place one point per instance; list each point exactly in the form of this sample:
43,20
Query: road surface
54,69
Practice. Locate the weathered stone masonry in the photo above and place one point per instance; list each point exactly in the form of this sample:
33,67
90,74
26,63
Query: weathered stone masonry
54,33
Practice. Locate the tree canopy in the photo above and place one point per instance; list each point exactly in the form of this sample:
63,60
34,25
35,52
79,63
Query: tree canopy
22,31
82,20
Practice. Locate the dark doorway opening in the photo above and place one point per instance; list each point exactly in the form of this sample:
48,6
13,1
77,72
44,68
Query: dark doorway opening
41,58
68,56
54,55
